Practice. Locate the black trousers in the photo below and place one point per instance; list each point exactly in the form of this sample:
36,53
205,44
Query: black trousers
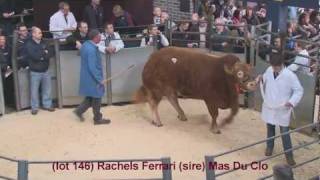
88,102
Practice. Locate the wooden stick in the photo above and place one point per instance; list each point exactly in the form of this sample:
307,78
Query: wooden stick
118,74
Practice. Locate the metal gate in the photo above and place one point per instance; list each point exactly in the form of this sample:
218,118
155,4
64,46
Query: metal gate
123,88
2,103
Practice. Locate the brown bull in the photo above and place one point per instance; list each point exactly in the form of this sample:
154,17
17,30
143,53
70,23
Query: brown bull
181,71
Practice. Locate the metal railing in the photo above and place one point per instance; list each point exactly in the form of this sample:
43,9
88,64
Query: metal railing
209,160
23,165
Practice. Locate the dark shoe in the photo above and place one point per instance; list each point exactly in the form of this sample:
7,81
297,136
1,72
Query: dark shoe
290,160
81,118
34,112
268,152
51,109
102,121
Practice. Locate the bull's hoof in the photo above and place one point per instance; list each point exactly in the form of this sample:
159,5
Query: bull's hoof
215,131
182,118
157,124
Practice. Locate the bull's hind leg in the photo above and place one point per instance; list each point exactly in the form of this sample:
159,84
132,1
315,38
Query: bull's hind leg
229,119
173,99
213,110
153,101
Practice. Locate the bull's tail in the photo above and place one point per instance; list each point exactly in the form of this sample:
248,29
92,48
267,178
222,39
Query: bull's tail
140,96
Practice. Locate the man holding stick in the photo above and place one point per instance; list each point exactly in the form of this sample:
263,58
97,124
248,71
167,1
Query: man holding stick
91,79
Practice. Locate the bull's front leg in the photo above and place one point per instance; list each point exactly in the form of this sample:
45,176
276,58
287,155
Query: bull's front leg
234,111
213,110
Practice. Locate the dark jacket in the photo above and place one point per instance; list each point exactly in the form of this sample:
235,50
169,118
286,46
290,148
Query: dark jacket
122,21
71,40
5,58
38,56
94,18
22,52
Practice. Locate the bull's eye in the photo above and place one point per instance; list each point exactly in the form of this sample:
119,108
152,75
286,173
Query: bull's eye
240,74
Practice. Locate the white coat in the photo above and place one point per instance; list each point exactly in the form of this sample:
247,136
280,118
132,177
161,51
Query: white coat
58,23
277,92
117,42
298,61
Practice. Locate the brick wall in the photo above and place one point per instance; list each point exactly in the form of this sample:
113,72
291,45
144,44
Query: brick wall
173,8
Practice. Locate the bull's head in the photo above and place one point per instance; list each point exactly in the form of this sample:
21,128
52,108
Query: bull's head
242,72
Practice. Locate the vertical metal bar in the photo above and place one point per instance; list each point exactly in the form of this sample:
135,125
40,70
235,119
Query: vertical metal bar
249,97
58,72
108,75
15,71
23,170
2,105
210,173
166,173
170,30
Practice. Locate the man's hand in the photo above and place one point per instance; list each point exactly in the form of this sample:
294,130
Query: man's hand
289,105
259,78
110,49
78,45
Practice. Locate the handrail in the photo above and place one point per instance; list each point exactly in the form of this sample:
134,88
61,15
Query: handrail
265,140
295,166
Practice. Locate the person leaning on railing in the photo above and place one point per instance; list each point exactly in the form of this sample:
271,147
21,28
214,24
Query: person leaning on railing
154,37
111,41
79,36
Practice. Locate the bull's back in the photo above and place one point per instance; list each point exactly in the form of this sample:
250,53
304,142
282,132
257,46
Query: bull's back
183,69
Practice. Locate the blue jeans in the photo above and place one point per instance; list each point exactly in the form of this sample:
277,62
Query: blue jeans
286,140
43,79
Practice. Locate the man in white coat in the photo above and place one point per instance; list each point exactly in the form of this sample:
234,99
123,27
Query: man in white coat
281,92
63,22
111,41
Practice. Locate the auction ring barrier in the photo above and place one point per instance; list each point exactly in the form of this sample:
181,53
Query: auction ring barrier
210,160
23,165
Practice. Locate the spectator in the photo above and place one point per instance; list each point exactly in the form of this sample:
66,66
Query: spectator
315,19
219,43
250,17
38,56
157,16
194,27
121,18
79,36
238,21
7,11
154,37
23,37
6,71
304,26
94,15
291,33
62,22
110,41
301,64
5,56
180,38
164,18
91,79
228,9
262,14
